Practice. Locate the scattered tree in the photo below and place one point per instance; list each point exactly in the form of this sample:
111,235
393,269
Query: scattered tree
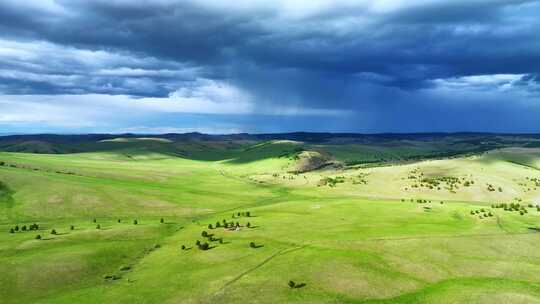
94,220
204,234
162,220
248,225
11,230
23,228
72,227
119,220
53,231
135,222
38,237
210,226
292,284
98,226
252,245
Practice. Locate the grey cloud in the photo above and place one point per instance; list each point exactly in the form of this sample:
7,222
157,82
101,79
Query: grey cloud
365,57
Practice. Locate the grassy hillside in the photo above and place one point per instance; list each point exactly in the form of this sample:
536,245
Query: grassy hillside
343,234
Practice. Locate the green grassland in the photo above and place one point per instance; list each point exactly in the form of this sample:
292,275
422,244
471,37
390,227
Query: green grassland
343,231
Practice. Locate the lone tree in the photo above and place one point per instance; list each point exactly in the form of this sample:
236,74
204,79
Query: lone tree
72,227
162,220
53,231
135,222
119,220
252,245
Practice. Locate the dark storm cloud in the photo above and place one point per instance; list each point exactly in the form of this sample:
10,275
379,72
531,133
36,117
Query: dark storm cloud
381,58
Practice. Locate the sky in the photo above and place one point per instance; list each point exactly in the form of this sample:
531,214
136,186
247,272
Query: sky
366,66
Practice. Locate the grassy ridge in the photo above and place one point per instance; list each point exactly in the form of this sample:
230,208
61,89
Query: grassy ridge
351,243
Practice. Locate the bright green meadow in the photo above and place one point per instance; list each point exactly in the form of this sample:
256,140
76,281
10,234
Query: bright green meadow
405,230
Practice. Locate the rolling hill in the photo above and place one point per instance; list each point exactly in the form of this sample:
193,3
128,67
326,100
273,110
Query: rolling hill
425,218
